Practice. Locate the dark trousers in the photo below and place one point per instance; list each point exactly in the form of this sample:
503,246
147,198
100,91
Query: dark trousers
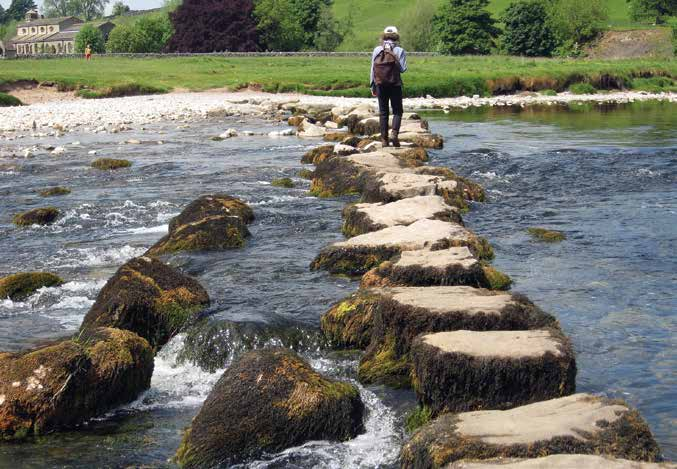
388,94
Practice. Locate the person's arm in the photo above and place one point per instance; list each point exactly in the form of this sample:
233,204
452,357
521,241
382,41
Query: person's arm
403,61
372,82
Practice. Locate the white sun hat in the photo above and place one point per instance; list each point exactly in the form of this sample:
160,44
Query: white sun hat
391,29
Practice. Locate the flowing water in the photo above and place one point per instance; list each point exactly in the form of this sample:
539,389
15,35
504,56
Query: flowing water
604,177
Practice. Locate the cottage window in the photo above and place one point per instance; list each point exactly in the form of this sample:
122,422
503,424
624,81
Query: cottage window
42,29
51,28
33,30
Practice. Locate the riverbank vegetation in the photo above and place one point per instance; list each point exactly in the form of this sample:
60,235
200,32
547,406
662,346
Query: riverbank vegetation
439,76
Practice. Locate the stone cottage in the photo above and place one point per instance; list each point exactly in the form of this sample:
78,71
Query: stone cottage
38,35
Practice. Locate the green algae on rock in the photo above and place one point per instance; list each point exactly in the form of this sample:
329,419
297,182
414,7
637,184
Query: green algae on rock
148,297
266,401
549,236
283,182
458,371
21,285
576,424
110,164
211,222
348,322
318,154
402,313
37,216
62,385
54,191
306,174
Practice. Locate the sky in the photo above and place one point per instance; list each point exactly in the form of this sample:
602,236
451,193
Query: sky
133,4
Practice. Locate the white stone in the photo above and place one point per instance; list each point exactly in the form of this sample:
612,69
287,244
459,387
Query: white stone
344,150
92,152
58,151
437,259
307,129
561,461
229,133
448,299
405,211
133,141
509,344
404,185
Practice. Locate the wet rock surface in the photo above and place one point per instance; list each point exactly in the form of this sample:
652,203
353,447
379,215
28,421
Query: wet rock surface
269,400
21,285
37,216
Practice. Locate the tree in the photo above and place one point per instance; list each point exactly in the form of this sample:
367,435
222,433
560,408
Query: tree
2,15
213,25
465,27
331,32
577,21
527,29
56,8
654,10
120,39
89,9
119,8
89,35
145,35
18,8
417,31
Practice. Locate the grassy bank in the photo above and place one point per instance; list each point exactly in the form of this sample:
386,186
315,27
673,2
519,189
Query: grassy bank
344,76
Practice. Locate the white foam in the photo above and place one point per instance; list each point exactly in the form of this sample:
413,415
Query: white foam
149,229
276,199
95,257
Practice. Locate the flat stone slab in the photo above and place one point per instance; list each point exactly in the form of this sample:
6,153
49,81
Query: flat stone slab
359,254
393,186
561,461
364,218
576,424
402,313
456,371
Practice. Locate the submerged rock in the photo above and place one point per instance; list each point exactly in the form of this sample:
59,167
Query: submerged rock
456,371
54,191
65,384
266,401
549,236
211,222
364,218
20,286
110,164
576,424
37,216
148,297
359,254
283,182
560,461
404,312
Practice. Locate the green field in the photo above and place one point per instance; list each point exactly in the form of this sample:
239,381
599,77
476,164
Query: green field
346,76
369,18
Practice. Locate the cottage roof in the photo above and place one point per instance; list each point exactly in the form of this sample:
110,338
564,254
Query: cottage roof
49,21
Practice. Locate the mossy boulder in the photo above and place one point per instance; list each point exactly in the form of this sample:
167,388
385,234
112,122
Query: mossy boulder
549,236
456,266
20,286
318,154
364,218
336,136
495,279
211,222
37,216
424,140
54,191
402,313
459,371
266,401
576,424
148,297
110,164
348,322
359,254
283,182
306,174
559,461
62,385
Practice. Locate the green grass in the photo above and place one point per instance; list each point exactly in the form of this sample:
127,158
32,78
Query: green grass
369,18
343,76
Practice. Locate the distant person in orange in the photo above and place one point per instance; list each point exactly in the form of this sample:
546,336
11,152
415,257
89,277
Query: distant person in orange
88,52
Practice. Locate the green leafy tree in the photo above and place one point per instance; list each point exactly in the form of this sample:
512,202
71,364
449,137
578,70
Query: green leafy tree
89,9
89,35
331,32
119,8
120,39
465,27
656,11
577,21
417,31
56,8
2,15
18,8
147,34
527,29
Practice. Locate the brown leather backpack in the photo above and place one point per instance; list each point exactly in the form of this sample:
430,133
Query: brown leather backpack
387,67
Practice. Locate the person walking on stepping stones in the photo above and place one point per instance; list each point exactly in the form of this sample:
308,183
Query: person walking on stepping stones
388,61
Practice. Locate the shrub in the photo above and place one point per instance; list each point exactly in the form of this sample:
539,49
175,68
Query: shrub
582,88
92,36
653,84
117,91
147,34
465,27
213,25
417,31
527,30
577,21
656,11
7,100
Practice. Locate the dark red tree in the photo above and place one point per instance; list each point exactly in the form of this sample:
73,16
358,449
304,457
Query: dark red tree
214,26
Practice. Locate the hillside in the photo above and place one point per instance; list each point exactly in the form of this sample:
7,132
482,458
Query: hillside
371,17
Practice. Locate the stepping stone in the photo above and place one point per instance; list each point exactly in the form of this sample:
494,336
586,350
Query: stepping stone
561,461
359,254
576,424
457,371
365,218
402,313
393,186
447,267
348,322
